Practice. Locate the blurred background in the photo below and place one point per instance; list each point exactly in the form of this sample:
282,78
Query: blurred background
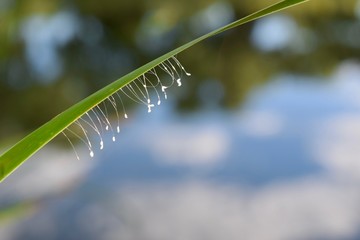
261,142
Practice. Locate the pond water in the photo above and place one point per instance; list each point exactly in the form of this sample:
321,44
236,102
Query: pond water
287,157
261,142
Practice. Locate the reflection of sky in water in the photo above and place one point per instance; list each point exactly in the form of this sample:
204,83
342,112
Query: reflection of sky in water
214,16
285,166
280,32
43,36
274,33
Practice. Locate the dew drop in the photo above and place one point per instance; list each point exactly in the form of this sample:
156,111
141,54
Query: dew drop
107,128
188,74
91,154
113,139
101,145
159,102
179,82
125,115
149,107
118,129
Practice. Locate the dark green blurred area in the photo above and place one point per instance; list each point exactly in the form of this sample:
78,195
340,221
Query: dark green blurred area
96,42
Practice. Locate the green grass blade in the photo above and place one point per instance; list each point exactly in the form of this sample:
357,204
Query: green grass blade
21,151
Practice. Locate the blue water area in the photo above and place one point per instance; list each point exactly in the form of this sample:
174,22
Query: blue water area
268,139
257,164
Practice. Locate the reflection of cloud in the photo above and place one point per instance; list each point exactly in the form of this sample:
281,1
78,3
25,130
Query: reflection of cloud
274,33
43,36
261,123
347,80
337,145
51,172
278,32
336,141
299,210
188,146
312,209
214,16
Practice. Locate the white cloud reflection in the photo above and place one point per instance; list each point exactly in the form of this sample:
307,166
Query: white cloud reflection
214,16
49,172
306,209
279,32
337,146
261,123
336,141
181,145
346,81
43,36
